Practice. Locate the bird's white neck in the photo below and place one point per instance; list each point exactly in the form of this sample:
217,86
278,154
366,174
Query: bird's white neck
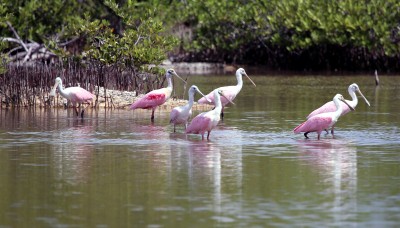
217,101
339,109
354,98
191,99
169,80
239,80
61,89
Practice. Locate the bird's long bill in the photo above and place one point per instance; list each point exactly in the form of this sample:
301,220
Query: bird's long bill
250,80
366,101
53,90
179,77
208,100
344,101
222,94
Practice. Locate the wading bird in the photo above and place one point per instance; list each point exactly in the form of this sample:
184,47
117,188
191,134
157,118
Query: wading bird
156,97
323,121
73,94
206,121
330,106
181,114
230,92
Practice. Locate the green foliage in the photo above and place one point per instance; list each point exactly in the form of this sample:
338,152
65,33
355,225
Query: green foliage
36,20
296,25
135,33
140,43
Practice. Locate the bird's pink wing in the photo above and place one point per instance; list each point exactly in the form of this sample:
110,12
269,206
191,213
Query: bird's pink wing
203,100
150,100
199,124
229,92
78,94
327,107
315,123
345,109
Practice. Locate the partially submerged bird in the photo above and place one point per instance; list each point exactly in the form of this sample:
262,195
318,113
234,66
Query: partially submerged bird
181,114
326,120
230,92
206,121
331,107
73,94
156,97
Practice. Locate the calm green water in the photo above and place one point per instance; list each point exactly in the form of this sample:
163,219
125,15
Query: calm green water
115,169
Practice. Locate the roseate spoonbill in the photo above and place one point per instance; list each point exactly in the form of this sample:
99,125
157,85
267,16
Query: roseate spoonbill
230,92
181,114
156,97
74,94
330,106
323,121
206,121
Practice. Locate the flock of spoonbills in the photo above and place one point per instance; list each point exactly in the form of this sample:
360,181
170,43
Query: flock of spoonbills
323,118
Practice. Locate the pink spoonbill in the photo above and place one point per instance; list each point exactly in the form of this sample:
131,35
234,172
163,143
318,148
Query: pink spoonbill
73,94
230,92
207,121
181,114
323,121
331,107
156,97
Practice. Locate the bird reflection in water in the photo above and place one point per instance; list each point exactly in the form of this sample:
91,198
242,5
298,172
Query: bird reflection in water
336,162
73,151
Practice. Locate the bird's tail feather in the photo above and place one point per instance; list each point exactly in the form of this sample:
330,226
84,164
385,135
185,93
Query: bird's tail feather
297,130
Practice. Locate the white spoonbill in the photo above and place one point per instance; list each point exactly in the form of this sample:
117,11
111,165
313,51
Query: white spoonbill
230,92
73,94
156,97
207,121
323,121
181,114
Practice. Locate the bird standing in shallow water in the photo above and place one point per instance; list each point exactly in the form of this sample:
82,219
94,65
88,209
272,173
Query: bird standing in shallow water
156,97
181,114
73,94
207,121
331,107
323,121
230,92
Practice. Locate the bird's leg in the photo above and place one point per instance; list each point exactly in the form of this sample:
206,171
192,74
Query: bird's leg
152,115
305,134
83,110
202,136
76,110
174,128
326,130
208,135
319,133
222,115
332,131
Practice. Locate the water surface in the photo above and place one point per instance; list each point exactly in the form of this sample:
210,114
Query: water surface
115,169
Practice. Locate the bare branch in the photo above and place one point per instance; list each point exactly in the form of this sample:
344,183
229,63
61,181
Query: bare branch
27,55
9,39
68,42
137,41
16,35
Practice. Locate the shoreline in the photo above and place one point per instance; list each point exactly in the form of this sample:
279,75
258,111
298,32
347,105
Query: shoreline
115,99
